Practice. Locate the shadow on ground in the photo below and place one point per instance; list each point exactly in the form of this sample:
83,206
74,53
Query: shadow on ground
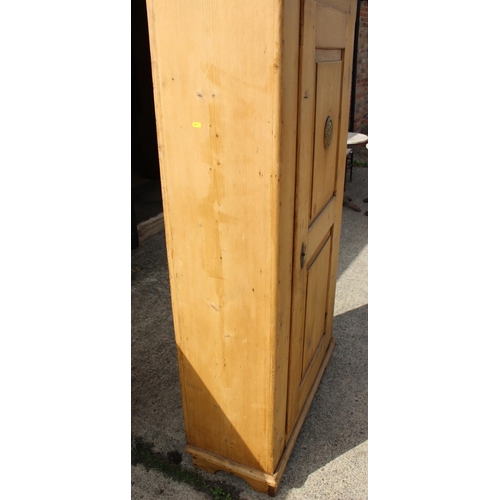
338,418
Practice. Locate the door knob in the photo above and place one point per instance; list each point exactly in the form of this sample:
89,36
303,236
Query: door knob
328,132
302,255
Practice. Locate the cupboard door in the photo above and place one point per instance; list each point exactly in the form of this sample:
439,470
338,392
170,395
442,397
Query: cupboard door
324,91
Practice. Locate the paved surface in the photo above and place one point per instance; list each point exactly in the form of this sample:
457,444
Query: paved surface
329,460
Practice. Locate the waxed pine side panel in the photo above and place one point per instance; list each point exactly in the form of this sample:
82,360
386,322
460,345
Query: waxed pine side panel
218,126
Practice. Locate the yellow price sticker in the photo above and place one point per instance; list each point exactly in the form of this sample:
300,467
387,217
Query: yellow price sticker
196,125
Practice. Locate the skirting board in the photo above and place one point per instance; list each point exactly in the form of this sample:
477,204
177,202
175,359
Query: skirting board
150,227
258,480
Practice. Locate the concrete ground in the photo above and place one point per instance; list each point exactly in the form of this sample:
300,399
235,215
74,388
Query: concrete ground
329,460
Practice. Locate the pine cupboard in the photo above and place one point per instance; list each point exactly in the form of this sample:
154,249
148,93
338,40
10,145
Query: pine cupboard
252,104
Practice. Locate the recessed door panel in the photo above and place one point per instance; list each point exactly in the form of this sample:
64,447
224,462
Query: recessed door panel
316,292
328,91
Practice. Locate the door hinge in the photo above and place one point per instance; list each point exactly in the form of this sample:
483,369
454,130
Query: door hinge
303,255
